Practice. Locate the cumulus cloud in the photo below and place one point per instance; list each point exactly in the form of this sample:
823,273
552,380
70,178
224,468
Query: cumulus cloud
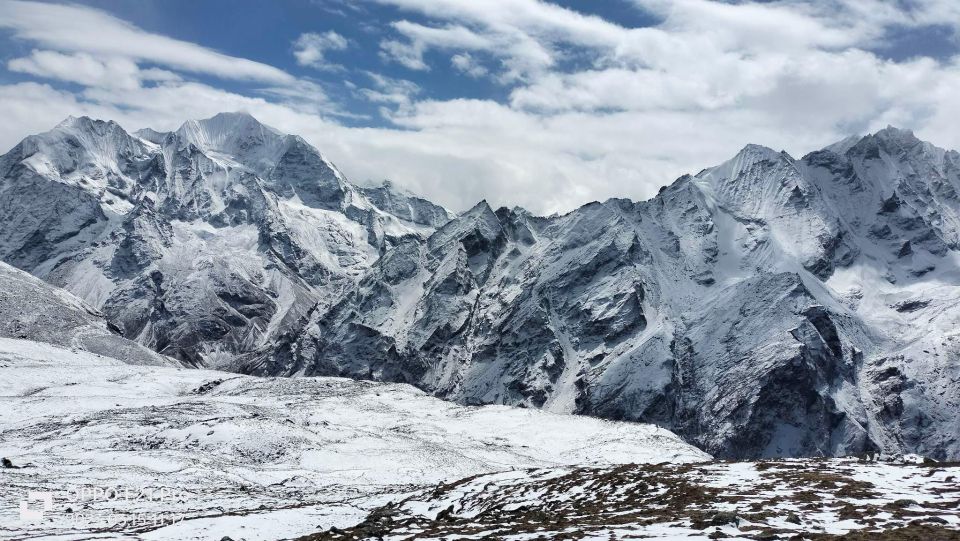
420,38
309,49
643,105
116,62
82,29
590,108
466,63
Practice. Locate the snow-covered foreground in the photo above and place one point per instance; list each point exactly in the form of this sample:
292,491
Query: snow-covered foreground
786,499
95,448
113,450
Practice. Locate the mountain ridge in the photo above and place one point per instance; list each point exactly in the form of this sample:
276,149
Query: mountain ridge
248,240
768,306
487,324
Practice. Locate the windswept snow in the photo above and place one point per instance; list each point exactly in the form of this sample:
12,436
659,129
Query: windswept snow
34,310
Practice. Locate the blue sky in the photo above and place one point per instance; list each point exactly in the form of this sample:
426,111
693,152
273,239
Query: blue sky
267,32
547,105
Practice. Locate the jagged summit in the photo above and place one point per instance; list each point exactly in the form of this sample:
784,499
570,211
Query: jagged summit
892,133
769,306
755,152
151,135
480,223
85,130
746,167
405,204
83,122
892,138
236,135
201,243
224,131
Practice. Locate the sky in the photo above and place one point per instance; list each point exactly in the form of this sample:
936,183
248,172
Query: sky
543,105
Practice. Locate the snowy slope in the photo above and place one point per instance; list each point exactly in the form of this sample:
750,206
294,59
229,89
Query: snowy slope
766,307
202,243
32,309
208,454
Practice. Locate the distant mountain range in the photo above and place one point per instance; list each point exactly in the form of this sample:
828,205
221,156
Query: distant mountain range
770,306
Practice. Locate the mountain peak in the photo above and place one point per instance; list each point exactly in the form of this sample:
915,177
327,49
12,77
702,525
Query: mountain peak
481,219
891,140
893,131
755,153
222,130
742,164
236,118
150,134
100,139
897,136
235,114
239,135
70,121
86,124
480,208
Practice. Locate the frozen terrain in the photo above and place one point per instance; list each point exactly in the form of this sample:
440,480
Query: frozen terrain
165,453
767,307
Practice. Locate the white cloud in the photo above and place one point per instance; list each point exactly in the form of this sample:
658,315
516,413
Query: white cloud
70,28
466,63
594,110
399,92
420,38
106,55
522,54
309,49
644,105
114,72
406,54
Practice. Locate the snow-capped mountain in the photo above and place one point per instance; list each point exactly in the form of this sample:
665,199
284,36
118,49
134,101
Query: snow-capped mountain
201,243
769,306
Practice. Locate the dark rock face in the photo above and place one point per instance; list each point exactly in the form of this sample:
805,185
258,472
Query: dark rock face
303,172
733,308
